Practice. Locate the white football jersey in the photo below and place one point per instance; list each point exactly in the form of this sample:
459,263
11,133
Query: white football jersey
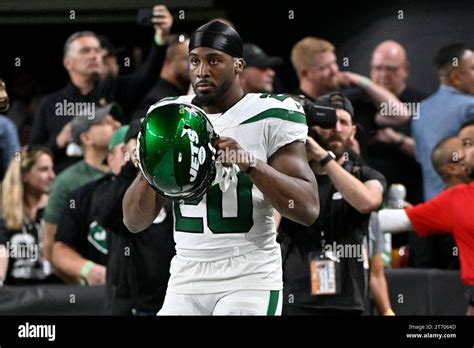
239,221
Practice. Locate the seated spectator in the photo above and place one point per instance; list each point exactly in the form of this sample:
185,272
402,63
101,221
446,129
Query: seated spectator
25,193
81,248
94,135
83,60
258,75
449,212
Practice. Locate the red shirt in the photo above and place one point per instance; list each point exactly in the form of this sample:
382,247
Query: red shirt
452,211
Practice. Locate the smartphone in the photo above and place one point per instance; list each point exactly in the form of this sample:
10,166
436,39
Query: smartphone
144,17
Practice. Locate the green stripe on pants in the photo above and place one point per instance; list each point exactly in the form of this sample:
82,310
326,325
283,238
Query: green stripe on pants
273,303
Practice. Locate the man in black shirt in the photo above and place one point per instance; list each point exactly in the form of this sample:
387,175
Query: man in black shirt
85,92
390,149
138,265
174,76
323,272
80,251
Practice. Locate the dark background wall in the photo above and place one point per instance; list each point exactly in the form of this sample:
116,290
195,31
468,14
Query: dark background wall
35,31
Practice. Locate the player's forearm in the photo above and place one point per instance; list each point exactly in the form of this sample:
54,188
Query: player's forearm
355,192
140,205
295,198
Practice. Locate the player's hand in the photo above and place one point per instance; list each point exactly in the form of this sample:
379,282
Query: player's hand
162,21
229,152
96,275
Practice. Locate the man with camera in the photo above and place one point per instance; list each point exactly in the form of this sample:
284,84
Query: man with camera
323,269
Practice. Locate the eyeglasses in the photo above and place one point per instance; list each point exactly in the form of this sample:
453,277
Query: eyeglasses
388,68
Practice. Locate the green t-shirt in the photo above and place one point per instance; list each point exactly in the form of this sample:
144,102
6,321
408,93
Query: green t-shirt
70,179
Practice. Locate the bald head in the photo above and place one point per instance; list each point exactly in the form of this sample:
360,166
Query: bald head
389,66
448,161
391,50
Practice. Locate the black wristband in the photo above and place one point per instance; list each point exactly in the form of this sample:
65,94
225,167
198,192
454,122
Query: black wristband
328,158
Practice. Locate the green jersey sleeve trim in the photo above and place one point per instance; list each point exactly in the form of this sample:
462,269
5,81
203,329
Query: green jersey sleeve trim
282,114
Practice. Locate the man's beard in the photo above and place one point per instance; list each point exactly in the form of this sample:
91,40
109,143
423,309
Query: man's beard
211,99
338,150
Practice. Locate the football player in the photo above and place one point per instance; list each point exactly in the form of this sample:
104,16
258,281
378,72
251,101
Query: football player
228,261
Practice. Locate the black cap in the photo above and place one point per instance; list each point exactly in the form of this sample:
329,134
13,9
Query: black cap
219,36
255,56
337,101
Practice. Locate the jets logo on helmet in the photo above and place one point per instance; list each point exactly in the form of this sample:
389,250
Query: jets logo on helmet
198,153
175,150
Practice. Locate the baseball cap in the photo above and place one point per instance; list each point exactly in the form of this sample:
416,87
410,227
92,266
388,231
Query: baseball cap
118,137
255,56
337,101
82,123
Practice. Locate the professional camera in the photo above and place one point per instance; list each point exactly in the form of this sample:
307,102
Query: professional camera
317,115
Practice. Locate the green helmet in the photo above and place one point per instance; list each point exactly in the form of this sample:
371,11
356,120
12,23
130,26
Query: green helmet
175,153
